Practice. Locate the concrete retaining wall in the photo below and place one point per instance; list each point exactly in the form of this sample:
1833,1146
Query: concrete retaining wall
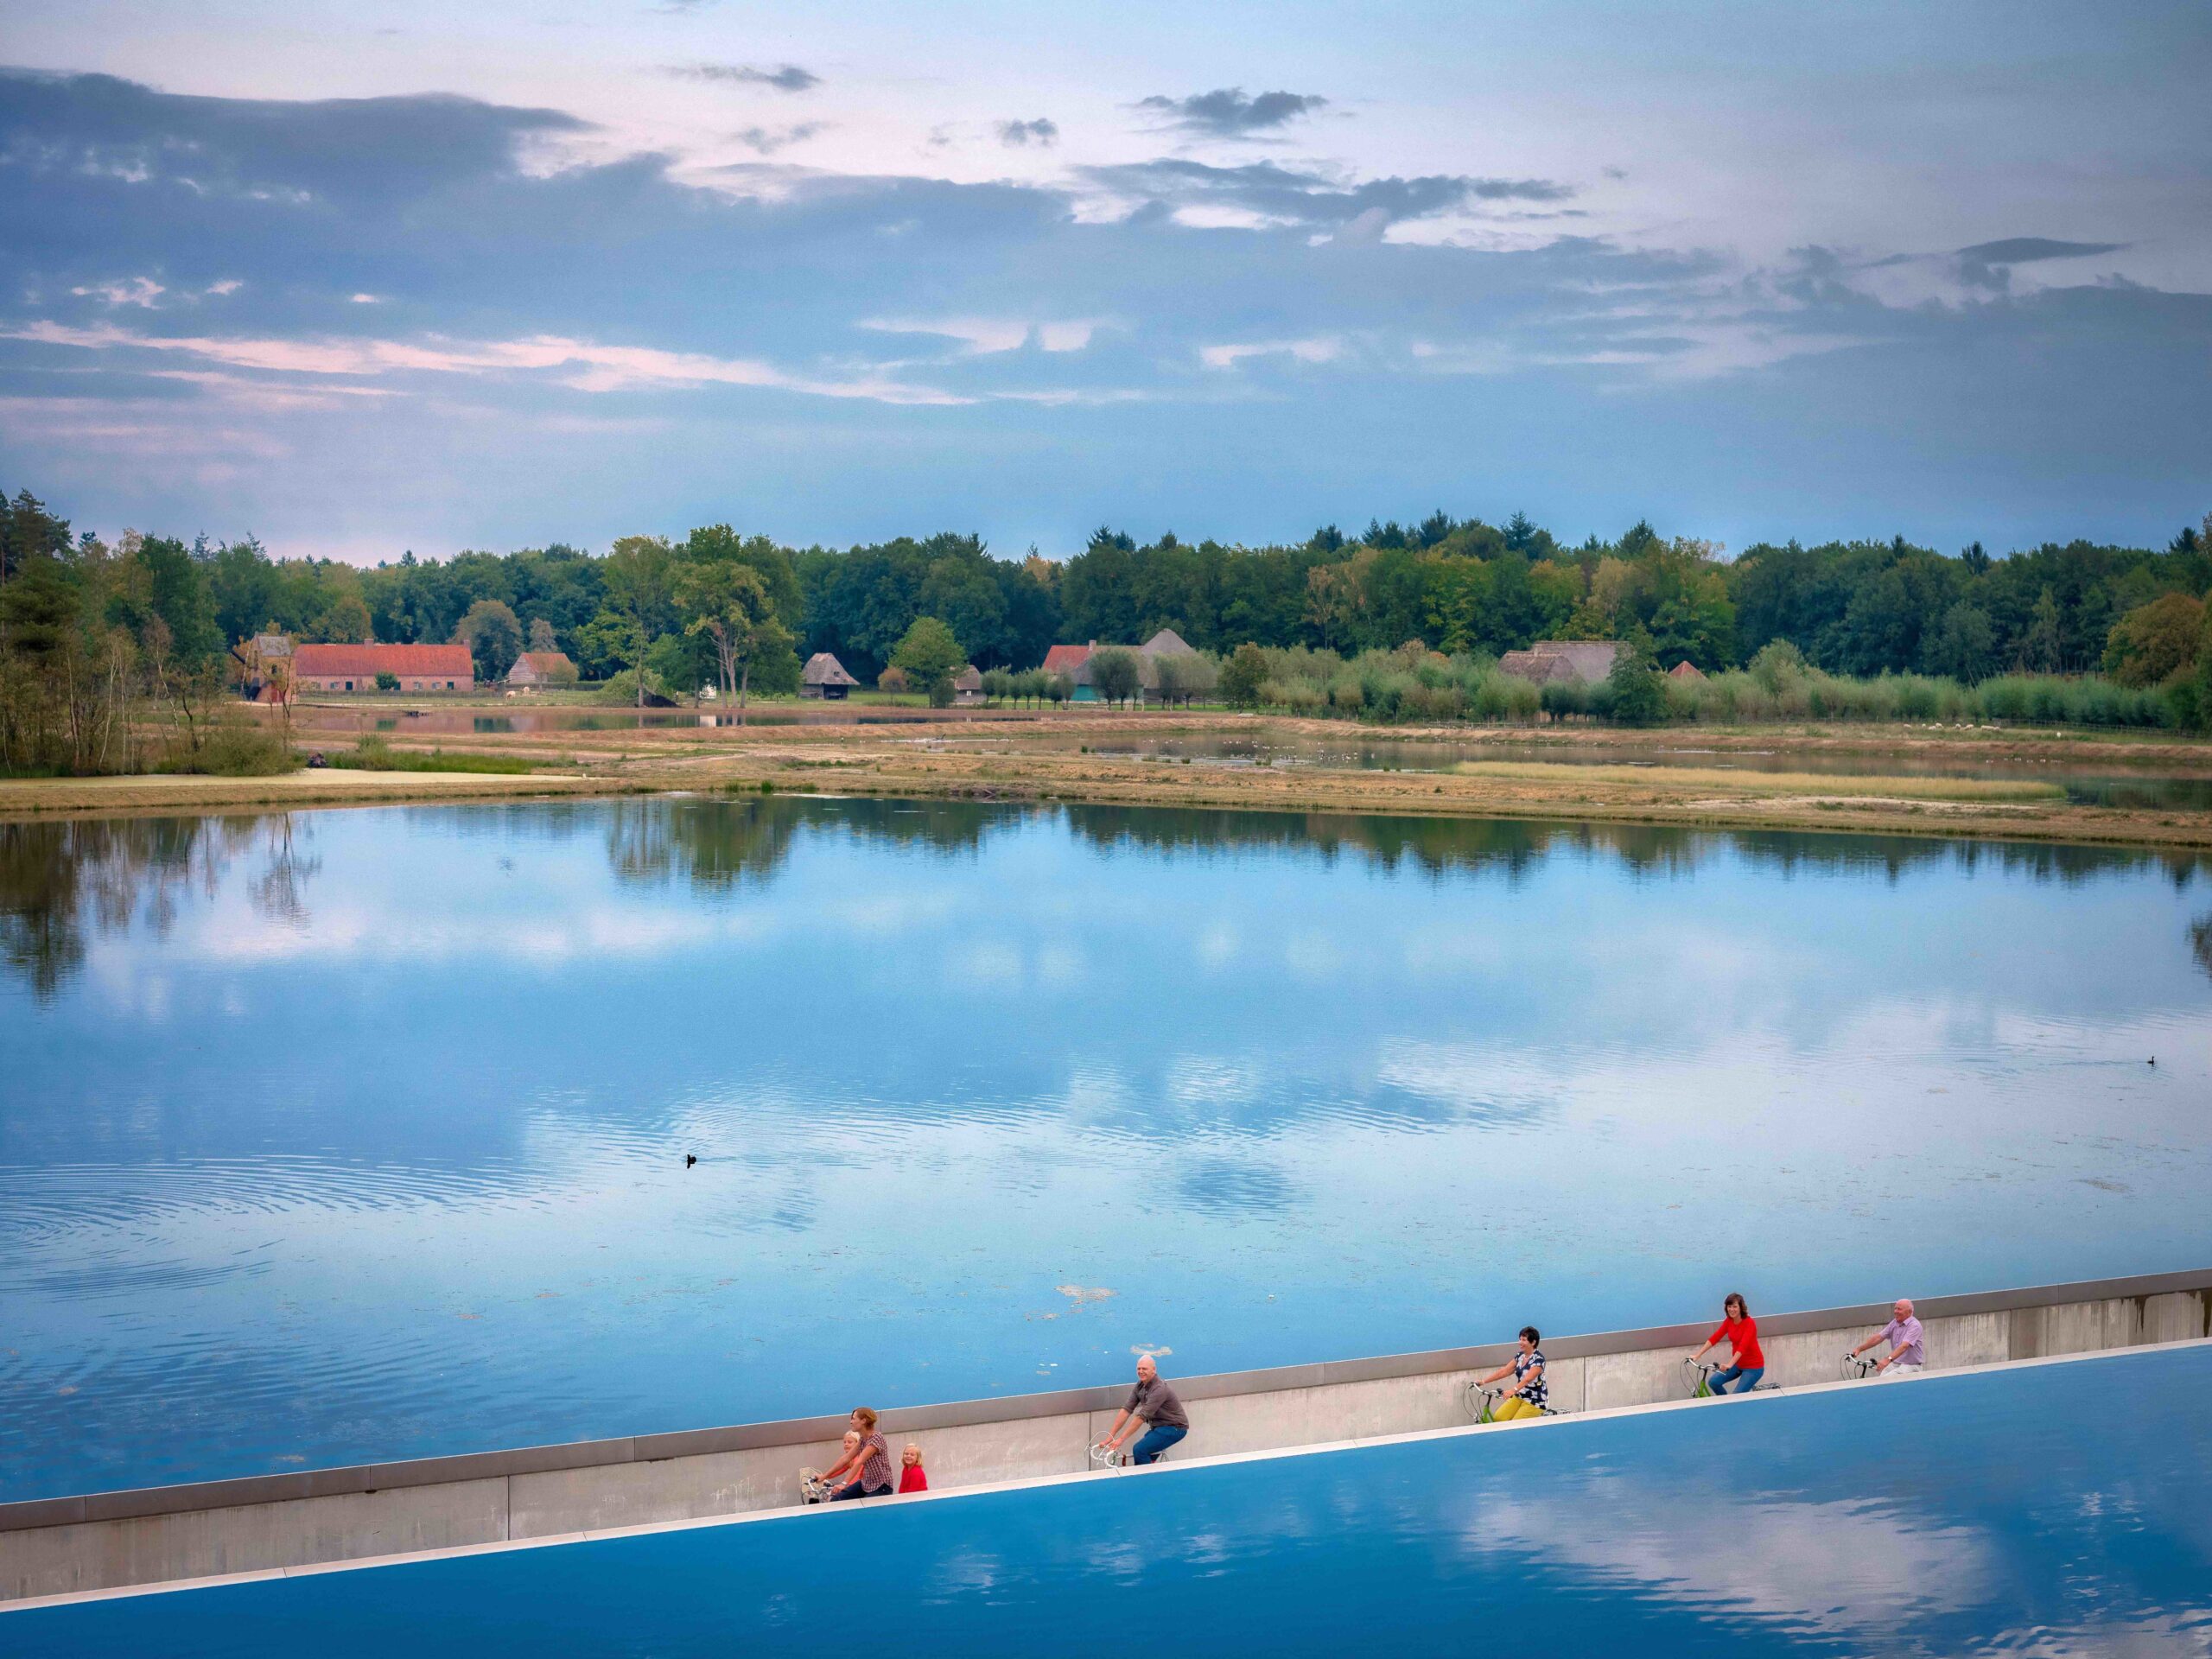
105,1541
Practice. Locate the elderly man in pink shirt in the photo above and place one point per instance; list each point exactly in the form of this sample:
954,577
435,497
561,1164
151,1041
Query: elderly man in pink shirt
1902,1333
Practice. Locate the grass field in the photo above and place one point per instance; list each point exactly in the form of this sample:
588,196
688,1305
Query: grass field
372,756
1739,781
1884,789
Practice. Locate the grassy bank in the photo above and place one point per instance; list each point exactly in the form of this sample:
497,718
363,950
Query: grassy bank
374,754
1048,761
1769,785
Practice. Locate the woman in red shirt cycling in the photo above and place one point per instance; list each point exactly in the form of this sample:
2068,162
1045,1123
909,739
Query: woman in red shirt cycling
1741,1332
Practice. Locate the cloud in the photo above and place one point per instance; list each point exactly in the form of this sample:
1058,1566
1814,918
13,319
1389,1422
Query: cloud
1988,266
1323,349
1226,112
585,366
530,294
989,334
136,290
185,152
1265,193
768,141
785,78
1016,135
2024,250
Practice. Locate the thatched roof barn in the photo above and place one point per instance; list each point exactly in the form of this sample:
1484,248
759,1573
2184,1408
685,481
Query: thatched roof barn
1562,660
825,677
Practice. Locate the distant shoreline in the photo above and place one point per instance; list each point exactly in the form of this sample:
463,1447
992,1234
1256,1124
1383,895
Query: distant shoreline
1044,758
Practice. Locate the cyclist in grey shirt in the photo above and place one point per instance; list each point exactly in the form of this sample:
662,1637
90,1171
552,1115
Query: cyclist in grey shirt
1158,1405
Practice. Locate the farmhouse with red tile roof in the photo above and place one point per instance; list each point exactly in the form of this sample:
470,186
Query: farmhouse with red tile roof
1074,661
355,668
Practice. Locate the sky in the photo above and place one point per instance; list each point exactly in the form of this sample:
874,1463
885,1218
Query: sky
365,278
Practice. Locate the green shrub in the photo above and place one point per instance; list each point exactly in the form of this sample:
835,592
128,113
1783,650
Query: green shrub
1414,684
233,748
1635,696
1918,697
621,689
2005,697
1561,698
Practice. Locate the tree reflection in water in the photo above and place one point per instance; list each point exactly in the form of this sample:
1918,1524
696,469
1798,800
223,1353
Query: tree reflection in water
63,880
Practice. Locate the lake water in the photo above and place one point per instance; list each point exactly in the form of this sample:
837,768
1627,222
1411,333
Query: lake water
1987,1513
359,1134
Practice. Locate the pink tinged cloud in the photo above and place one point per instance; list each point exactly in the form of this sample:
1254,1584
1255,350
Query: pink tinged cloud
134,291
581,364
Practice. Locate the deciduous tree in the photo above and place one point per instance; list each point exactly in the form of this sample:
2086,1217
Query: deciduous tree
493,637
344,622
617,637
930,656
728,603
1638,695
1244,675
1115,674
2156,640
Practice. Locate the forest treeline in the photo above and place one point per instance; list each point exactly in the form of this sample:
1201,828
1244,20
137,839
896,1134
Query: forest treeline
159,608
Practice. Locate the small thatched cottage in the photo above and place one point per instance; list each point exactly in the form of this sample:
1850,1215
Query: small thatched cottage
967,684
542,668
1560,661
825,677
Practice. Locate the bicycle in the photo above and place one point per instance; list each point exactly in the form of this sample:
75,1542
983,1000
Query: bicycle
812,1489
1699,1373
1109,1457
1482,1404
1857,1367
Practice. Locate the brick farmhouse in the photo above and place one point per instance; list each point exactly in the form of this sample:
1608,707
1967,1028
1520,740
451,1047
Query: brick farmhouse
355,668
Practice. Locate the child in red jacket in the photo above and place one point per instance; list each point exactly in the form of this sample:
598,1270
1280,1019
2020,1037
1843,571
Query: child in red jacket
911,1477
